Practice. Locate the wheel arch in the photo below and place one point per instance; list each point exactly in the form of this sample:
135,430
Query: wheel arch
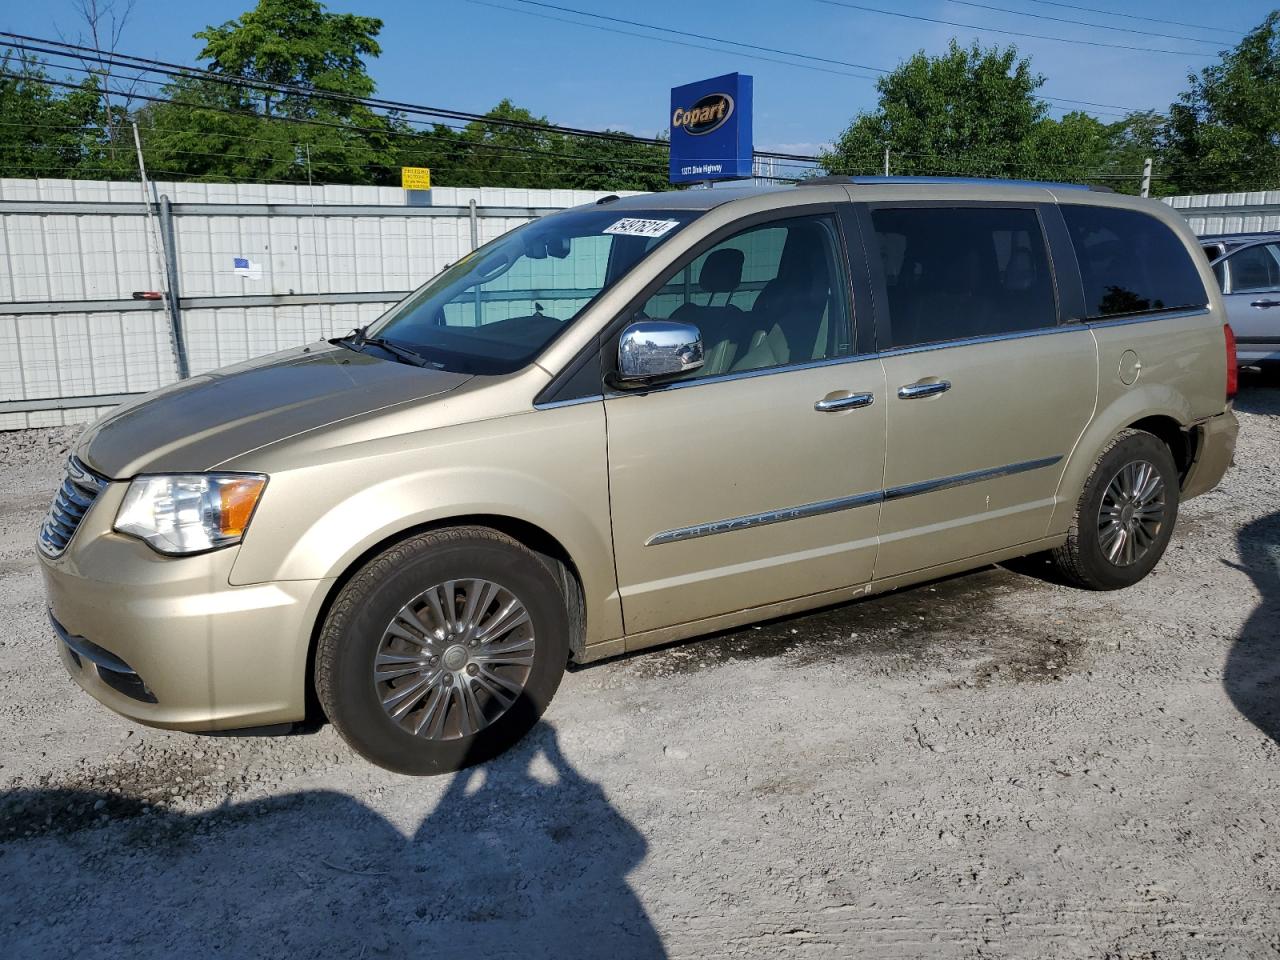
1180,441
1162,412
548,548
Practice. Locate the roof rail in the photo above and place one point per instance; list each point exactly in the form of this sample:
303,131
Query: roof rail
953,181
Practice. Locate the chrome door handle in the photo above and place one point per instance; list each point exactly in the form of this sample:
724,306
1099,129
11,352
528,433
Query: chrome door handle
851,402
914,391
1265,303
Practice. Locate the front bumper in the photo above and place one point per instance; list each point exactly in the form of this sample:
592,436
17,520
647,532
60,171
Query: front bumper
168,641
1214,454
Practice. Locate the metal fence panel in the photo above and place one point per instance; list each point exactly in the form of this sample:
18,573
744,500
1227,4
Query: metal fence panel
72,253
1210,213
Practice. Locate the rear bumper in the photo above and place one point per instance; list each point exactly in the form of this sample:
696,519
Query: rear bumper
1214,454
169,642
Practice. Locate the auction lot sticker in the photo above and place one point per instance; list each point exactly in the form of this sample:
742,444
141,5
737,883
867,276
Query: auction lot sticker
632,227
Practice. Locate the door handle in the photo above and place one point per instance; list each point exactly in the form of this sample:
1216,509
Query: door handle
1265,303
914,391
850,401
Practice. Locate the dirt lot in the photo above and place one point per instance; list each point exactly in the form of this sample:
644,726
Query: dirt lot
987,766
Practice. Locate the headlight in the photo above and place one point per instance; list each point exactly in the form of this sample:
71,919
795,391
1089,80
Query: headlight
190,513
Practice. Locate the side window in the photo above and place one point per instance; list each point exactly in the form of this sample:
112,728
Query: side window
769,296
1255,269
959,272
1130,262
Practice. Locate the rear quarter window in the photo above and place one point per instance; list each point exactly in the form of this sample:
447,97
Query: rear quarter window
1130,262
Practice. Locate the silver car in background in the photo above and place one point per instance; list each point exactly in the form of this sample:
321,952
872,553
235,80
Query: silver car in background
1248,273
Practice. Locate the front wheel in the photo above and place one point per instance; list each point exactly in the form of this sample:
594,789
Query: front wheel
1125,515
442,651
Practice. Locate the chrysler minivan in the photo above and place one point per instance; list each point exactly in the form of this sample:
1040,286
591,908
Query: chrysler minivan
635,422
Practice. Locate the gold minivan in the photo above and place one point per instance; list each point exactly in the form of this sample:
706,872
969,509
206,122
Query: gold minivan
635,422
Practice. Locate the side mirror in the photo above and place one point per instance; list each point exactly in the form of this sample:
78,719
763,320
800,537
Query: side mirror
657,349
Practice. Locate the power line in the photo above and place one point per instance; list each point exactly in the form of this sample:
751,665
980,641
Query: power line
1078,23
183,72
509,150
180,71
440,161
700,36
1011,33
679,43
1132,16
1105,107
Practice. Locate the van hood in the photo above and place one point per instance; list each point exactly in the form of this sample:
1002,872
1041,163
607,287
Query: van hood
196,424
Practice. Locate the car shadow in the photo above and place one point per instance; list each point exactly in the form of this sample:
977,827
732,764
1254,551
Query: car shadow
1258,393
521,857
1252,674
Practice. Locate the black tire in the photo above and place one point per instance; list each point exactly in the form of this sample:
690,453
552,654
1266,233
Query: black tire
354,627
1082,561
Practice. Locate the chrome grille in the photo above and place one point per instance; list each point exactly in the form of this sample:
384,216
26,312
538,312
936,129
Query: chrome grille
79,489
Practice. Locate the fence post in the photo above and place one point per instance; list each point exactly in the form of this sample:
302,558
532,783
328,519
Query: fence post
171,273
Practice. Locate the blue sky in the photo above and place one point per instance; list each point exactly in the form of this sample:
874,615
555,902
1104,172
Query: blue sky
464,55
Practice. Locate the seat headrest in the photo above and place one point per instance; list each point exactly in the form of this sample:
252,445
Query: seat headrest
1020,274
722,271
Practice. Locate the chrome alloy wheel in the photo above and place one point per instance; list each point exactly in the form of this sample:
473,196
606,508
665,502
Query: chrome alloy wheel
1132,513
454,659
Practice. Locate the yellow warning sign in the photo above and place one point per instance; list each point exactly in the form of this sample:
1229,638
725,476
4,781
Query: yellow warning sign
415,178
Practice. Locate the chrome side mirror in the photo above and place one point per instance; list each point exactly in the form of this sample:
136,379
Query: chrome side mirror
656,349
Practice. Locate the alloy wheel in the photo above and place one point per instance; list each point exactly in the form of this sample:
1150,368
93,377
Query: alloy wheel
1132,513
454,659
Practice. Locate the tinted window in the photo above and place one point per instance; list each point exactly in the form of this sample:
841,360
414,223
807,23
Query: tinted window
768,296
1131,262
962,272
1255,269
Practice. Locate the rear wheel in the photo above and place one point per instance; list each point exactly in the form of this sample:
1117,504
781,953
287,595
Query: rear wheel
1125,515
442,651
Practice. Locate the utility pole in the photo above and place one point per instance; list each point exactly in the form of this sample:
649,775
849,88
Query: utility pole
146,205
167,262
886,159
1146,177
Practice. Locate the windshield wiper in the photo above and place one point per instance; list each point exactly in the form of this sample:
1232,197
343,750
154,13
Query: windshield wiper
403,352
358,337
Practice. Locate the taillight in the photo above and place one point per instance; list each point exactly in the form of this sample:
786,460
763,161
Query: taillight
1233,370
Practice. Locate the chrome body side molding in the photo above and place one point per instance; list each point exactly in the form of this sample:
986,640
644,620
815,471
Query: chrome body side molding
845,503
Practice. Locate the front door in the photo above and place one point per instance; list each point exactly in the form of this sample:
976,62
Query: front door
756,478
987,393
1252,297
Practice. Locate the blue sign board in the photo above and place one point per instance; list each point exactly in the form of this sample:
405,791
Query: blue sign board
711,129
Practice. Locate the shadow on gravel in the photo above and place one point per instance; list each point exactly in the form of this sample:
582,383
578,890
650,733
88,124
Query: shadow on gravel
521,857
1258,393
1252,676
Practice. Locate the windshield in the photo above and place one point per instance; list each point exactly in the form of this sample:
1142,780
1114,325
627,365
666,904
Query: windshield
500,306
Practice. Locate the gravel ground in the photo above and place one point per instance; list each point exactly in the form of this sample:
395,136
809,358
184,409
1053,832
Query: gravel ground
986,766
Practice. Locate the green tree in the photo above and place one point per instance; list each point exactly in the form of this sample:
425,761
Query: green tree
1139,136
1074,149
214,129
1224,131
45,132
969,112
295,42
976,111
